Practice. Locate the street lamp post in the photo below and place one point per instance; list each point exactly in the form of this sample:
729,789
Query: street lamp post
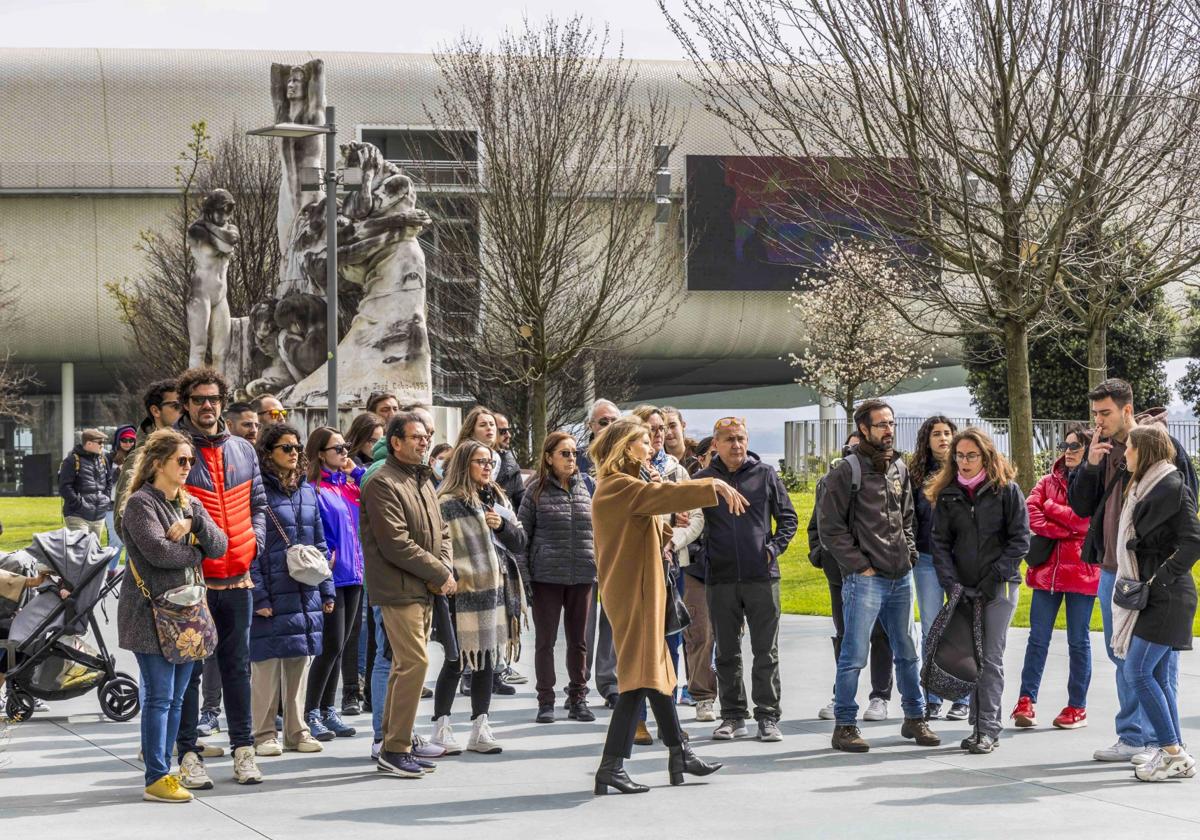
330,182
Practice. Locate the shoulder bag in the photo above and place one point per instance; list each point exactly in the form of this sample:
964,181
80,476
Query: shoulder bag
185,633
306,564
1040,549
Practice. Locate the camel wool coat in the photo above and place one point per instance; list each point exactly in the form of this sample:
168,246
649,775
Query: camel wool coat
629,562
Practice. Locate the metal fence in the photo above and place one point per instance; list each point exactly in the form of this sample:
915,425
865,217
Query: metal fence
809,445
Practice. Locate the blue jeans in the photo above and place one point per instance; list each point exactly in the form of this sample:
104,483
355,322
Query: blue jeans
379,674
930,600
164,685
114,541
865,599
1148,670
1043,610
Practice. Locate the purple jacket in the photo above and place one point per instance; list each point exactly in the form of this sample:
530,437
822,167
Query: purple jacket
338,501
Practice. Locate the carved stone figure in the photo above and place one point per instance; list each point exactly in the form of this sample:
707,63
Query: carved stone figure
275,374
211,240
298,93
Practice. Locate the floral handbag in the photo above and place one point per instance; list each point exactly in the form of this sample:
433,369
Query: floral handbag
185,634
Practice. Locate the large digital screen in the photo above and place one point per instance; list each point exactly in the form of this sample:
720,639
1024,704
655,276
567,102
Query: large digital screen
766,223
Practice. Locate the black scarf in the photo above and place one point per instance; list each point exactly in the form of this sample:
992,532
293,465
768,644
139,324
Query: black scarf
881,459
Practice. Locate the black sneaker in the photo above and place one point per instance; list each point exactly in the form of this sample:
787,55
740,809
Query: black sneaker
403,765
959,711
982,745
610,702
464,685
545,713
579,711
499,686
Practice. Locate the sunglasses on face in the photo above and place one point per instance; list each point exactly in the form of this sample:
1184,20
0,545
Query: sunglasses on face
275,413
288,448
504,431
173,404
605,421
1069,447
215,399
186,461
340,449
567,453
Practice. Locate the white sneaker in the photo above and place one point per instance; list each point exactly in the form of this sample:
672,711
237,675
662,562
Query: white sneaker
826,712
245,768
268,748
1163,766
1140,758
705,712
308,744
877,709
192,774
482,740
443,736
1120,751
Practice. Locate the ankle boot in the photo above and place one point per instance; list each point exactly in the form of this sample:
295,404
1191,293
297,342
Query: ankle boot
682,760
612,774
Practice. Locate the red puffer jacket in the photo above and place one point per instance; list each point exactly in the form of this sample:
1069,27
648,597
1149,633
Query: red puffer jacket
1051,516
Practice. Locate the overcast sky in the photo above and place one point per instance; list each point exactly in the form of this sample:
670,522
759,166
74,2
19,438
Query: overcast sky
364,25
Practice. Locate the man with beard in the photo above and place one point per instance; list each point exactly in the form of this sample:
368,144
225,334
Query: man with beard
870,535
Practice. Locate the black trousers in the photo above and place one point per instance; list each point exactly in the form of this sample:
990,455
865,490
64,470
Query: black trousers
350,684
447,684
323,675
622,726
881,650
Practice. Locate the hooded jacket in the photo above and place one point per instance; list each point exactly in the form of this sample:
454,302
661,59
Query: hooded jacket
227,481
125,477
747,547
979,542
878,533
85,484
296,622
1087,492
338,495
1051,516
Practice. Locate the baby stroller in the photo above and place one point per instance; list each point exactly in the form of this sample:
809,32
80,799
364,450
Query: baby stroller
47,655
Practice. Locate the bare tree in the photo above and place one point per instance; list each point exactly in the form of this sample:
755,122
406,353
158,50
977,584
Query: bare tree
567,260
856,347
15,378
153,303
959,122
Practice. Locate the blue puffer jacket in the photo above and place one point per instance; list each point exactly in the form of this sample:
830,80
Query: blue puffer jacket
294,628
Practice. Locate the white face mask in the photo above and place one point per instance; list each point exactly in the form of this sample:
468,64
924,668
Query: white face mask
437,469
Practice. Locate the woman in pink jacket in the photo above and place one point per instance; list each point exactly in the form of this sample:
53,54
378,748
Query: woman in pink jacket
1061,576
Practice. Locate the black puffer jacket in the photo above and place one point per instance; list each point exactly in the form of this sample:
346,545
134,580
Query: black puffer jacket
979,544
85,484
1167,546
558,526
510,478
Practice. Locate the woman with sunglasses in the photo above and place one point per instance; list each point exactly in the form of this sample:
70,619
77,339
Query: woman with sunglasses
327,454
1057,574
559,568
289,617
980,535
366,430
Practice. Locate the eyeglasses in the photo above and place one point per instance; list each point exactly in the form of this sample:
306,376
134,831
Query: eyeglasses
419,437
1069,447
658,430
969,457
340,449
884,425
275,413
215,399
288,448
186,461
605,421
482,462
172,404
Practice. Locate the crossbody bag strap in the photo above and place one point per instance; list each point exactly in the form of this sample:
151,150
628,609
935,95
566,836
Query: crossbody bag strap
137,579
282,532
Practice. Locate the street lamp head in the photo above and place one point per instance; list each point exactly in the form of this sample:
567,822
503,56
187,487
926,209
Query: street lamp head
291,130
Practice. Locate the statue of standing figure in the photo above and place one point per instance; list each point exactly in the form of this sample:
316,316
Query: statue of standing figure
298,93
211,240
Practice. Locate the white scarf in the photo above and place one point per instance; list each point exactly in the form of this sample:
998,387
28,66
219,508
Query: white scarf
1127,567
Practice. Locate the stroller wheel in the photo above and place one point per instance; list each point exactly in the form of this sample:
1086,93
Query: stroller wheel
20,705
119,698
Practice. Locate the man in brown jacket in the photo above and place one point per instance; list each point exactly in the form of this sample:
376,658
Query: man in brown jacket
406,553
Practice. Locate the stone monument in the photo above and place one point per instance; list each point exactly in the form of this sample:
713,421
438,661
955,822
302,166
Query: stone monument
211,240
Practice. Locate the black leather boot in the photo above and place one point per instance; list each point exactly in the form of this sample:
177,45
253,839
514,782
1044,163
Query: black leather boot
612,774
682,760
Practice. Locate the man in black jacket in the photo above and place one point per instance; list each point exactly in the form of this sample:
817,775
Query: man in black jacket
85,483
869,532
1097,490
742,580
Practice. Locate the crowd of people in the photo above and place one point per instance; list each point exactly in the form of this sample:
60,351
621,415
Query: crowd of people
268,564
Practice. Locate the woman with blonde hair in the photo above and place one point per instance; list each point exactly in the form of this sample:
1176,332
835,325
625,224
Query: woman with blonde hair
1158,542
167,535
980,535
629,544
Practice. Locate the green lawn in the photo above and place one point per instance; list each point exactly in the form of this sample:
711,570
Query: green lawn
804,591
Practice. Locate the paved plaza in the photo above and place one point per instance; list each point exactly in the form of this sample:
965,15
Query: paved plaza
71,771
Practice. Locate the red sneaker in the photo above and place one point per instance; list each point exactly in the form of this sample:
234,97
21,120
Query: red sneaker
1024,713
1071,718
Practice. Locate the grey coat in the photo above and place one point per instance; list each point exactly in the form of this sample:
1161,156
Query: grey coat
160,562
558,527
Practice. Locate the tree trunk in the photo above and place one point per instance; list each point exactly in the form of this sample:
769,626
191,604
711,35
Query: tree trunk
1020,403
1097,355
538,413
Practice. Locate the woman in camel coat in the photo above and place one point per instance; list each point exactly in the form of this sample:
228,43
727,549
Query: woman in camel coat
629,543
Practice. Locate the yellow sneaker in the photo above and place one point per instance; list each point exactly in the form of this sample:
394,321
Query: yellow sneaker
167,789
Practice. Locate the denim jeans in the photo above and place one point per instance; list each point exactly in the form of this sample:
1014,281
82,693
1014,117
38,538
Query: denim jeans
1132,726
1148,669
864,600
163,685
1043,610
930,600
114,541
379,673
231,610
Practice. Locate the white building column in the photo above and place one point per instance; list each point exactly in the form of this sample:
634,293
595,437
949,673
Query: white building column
68,407
828,413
